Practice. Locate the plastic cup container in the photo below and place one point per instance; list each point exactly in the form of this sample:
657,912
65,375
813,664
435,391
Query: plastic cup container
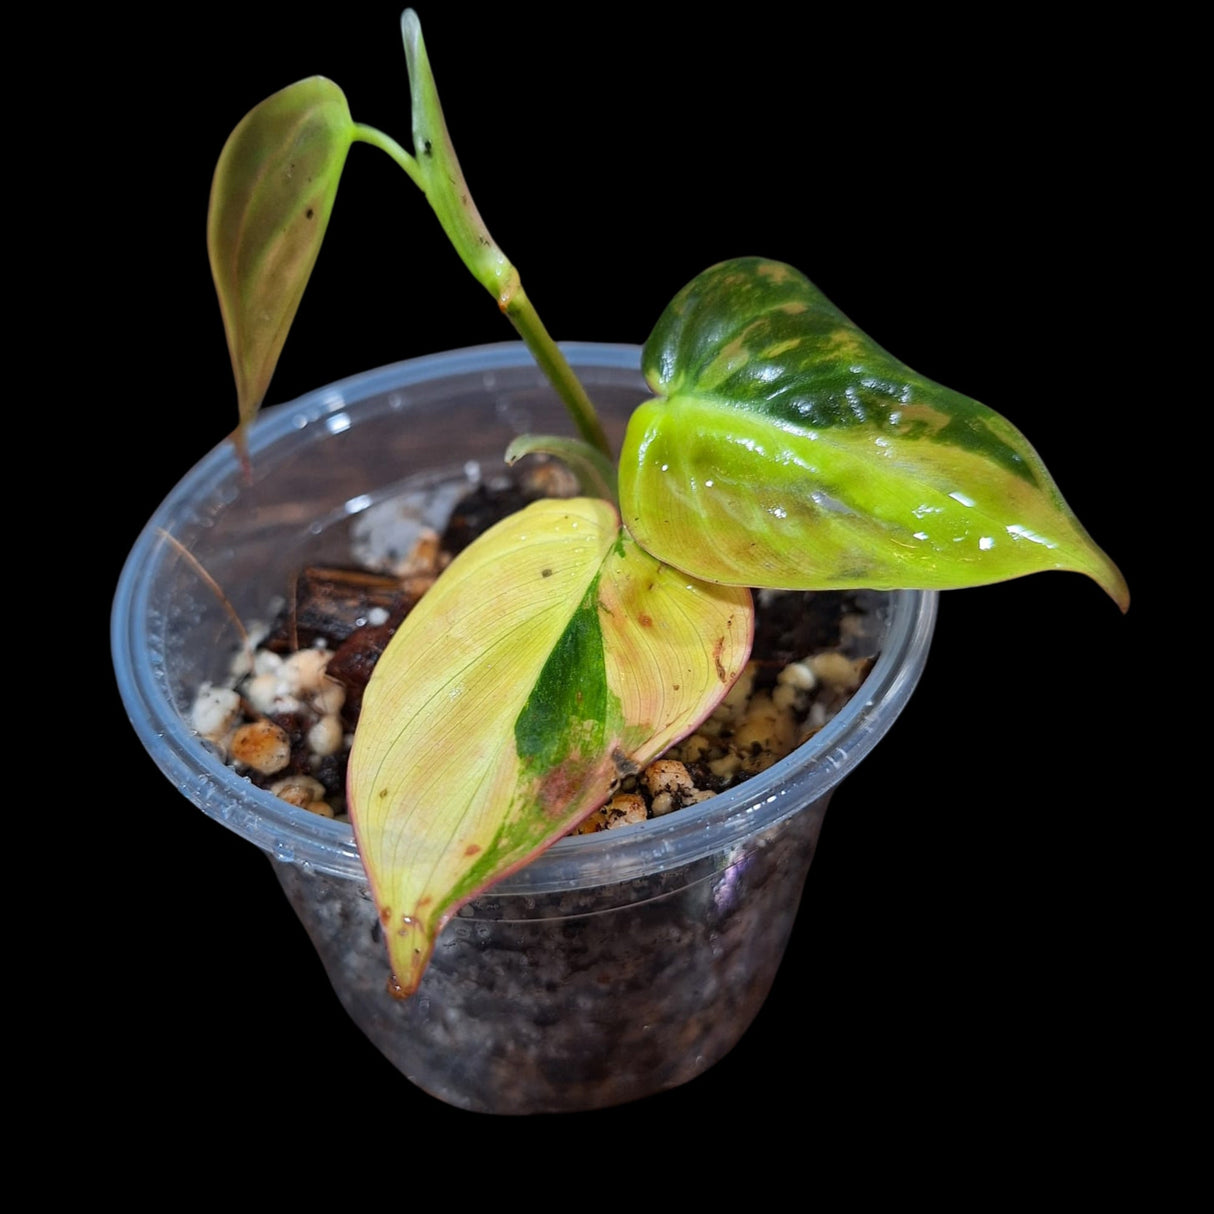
614,966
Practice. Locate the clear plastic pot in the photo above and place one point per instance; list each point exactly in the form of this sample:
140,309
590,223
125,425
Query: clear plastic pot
614,966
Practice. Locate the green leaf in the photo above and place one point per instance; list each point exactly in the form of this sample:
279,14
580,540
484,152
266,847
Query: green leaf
437,171
787,449
271,198
593,471
551,657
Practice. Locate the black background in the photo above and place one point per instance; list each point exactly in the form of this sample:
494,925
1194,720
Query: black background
972,923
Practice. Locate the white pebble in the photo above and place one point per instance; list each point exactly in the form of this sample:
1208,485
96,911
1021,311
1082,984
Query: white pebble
624,808
838,671
298,790
266,662
324,738
766,730
663,804
262,692
693,749
726,766
244,657
329,698
303,671
215,711
798,675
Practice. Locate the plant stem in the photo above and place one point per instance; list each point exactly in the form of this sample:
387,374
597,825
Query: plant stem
436,172
523,316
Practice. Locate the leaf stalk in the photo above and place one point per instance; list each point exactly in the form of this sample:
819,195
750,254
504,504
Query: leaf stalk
434,168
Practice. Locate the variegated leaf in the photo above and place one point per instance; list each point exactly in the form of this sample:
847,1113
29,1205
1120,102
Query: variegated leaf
271,198
788,449
551,657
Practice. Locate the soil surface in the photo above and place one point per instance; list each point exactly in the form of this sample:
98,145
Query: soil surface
287,714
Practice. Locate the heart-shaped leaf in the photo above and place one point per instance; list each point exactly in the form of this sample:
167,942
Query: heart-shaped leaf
552,657
788,449
271,198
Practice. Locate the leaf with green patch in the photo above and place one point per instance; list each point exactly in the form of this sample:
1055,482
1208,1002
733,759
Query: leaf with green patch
551,657
271,198
788,449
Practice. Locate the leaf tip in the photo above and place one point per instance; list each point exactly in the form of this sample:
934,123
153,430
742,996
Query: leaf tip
410,945
1095,563
1114,585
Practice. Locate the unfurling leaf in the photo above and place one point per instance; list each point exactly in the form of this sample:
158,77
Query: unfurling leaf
787,449
271,198
593,471
552,657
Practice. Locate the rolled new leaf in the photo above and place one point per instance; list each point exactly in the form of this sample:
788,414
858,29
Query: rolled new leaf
552,657
271,198
787,449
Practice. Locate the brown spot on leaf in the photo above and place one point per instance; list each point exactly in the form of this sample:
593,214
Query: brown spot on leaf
717,650
623,765
572,782
559,787
645,621
472,849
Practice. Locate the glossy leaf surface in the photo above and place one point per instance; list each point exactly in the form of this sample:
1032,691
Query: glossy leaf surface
788,449
271,198
551,657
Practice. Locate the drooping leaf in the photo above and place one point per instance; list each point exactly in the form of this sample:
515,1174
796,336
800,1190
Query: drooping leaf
271,198
551,657
788,449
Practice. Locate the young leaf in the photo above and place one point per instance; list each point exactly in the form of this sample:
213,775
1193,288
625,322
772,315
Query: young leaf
552,657
788,449
593,471
271,198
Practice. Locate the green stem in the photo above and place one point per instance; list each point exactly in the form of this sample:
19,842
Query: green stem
385,143
554,365
436,172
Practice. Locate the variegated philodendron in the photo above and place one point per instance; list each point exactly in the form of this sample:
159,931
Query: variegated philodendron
576,640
